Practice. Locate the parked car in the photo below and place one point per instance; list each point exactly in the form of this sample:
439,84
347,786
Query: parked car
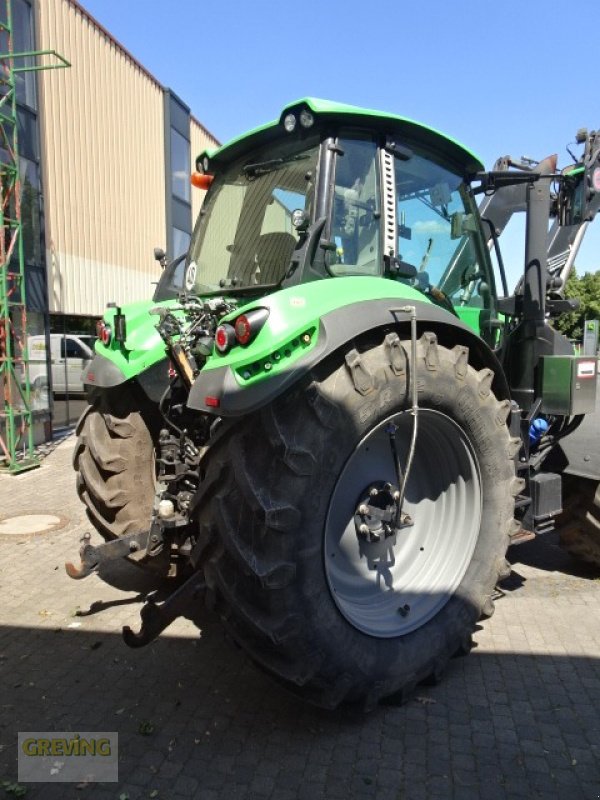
69,354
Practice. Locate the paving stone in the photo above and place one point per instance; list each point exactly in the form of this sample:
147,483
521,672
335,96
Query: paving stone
506,722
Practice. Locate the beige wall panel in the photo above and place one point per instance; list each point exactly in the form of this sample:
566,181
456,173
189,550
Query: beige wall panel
103,161
200,139
277,218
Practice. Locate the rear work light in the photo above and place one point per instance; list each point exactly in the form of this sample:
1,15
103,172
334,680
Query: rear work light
246,326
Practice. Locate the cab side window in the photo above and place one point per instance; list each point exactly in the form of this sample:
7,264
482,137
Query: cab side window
438,233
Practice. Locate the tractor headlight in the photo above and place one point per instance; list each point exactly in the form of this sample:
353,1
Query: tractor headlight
307,120
203,164
289,122
300,219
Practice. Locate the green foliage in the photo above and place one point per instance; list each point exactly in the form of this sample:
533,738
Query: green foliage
146,728
587,290
15,789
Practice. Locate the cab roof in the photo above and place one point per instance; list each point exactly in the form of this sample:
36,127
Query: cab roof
354,116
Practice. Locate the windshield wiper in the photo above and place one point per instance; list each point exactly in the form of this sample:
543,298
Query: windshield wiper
239,291
262,167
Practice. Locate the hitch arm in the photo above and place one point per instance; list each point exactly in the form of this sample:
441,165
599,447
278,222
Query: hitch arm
156,617
92,556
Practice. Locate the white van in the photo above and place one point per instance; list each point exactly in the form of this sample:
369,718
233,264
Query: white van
70,354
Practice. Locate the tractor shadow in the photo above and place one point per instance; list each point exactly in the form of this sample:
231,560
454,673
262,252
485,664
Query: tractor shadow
197,707
543,559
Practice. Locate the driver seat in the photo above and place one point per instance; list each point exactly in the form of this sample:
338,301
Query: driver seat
273,254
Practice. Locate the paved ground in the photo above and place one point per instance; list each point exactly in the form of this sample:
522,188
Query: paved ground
519,717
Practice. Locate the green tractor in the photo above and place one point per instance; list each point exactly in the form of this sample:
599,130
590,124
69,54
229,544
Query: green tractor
327,424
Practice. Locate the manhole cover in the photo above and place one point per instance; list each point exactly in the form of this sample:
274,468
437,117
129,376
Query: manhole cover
24,526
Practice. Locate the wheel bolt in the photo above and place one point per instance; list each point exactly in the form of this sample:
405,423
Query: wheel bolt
363,510
374,492
363,529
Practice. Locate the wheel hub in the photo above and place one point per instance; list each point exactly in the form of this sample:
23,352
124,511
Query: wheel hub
376,515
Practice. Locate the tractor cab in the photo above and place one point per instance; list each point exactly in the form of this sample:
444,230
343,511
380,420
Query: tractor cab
331,191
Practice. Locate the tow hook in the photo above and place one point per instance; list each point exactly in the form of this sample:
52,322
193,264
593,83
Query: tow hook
92,556
156,617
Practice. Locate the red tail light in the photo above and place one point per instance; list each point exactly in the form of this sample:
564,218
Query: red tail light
248,325
224,338
242,328
104,332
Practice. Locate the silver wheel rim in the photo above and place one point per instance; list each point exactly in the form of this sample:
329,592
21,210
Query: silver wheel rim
391,587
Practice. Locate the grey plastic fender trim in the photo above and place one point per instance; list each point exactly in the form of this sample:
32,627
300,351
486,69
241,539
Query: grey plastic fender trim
103,373
336,328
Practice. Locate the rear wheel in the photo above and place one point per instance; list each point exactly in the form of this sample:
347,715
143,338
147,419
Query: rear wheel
340,615
579,524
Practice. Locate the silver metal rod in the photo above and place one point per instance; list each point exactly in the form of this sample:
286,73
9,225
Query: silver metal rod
415,403
566,270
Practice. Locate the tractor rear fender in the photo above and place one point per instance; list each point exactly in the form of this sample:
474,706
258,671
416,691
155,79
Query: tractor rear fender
223,391
104,373
141,356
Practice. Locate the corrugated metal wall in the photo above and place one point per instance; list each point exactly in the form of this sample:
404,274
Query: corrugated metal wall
103,160
200,140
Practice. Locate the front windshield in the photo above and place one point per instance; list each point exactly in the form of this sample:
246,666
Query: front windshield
244,235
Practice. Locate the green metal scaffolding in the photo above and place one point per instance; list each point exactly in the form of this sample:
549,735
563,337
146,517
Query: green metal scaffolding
16,420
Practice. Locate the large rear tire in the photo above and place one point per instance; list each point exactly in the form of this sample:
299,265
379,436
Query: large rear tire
335,618
114,459
579,524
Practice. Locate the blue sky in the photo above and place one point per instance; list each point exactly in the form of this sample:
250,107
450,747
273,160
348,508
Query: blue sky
503,77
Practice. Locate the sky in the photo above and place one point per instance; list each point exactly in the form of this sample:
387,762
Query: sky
503,77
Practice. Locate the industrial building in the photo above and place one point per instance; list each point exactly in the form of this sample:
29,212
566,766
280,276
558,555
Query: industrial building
105,154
